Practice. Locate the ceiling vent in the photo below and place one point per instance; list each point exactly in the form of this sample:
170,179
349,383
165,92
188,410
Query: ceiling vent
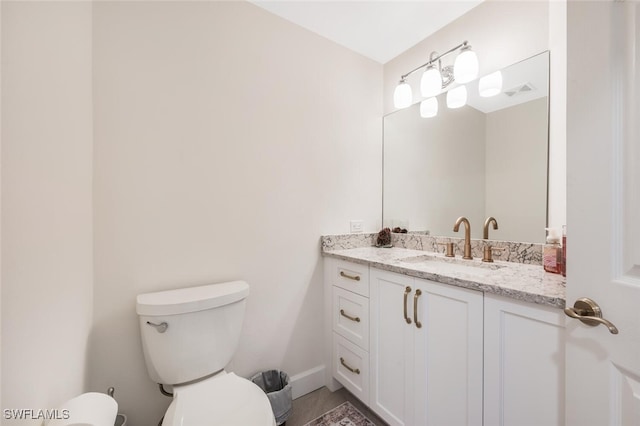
519,90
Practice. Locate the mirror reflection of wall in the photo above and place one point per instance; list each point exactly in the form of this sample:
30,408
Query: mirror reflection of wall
488,158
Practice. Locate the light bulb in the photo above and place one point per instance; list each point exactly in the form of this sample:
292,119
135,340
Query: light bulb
431,83
429,108
490,85
402,96
457,97
465,67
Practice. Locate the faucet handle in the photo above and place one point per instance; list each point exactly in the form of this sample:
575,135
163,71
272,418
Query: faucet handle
488,253
449,249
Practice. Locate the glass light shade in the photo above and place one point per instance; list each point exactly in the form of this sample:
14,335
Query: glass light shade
490,85
457,97
429,108
402,96
431,83
465,68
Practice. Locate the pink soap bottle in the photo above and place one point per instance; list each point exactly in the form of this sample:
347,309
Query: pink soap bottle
564,251
551,252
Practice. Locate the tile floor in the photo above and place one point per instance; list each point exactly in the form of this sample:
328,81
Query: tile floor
314,404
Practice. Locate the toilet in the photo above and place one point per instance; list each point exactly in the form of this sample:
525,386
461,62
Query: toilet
91,408
188,337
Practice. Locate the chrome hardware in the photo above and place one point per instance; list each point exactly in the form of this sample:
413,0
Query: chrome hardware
415,308
355,319
588,311
161,328
485,233
353,370
111,391
406,295
488,253
351,277
449,249
467,235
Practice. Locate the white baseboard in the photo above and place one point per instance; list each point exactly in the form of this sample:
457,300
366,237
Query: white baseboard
307,381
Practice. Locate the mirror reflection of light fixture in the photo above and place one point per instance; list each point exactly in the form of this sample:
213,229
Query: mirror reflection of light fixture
457,97
402,96
490,85
429,108
436,77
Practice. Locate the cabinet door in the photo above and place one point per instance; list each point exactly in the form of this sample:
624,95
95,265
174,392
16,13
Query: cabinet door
524,364
391,348
448,355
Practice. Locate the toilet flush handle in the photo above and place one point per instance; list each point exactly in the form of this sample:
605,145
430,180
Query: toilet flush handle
161,328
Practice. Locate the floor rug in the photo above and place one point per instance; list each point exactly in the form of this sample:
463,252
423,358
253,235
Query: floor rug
343,415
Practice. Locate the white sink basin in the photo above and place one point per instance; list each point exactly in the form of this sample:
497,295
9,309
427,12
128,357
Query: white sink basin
452,264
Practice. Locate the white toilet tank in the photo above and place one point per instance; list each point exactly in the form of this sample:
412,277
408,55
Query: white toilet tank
190,333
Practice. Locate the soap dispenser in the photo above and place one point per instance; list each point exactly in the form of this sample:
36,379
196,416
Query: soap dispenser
563,268
552,252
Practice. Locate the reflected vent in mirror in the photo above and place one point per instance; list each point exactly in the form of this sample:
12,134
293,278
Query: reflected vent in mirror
520,89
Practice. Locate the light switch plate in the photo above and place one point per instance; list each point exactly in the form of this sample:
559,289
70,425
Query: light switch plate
356,226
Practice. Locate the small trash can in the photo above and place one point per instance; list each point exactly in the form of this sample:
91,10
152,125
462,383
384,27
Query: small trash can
276,385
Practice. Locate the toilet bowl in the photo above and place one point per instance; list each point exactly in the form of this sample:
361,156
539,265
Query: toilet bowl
224,399
189,336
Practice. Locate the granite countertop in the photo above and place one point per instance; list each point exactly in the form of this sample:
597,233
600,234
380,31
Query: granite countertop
528,283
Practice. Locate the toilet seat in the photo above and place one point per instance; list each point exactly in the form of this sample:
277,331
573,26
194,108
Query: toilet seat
221,400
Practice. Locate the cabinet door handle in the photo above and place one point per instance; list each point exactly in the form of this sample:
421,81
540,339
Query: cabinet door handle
415,308
355,319
353,370
406,295
351,277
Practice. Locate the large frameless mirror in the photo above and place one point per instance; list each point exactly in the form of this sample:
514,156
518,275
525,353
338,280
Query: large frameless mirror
487,158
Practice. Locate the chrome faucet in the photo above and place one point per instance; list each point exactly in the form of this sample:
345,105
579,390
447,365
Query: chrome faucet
467,235
485,234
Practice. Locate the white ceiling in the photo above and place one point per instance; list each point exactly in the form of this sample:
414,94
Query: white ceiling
379,30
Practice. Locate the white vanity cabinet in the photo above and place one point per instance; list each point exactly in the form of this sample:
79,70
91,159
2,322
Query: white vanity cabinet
523,363
426,351
422,353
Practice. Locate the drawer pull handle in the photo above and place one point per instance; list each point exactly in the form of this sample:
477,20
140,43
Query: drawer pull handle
353,370
351,277
406,295
356,319
415,308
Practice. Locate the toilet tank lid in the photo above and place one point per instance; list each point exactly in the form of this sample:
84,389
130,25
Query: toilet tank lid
191,299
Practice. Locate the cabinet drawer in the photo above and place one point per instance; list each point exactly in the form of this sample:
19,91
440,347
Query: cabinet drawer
352,277
351,317
351,367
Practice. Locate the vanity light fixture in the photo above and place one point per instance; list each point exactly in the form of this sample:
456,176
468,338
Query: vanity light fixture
465,69
490,85
402,96
436,77
431,82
